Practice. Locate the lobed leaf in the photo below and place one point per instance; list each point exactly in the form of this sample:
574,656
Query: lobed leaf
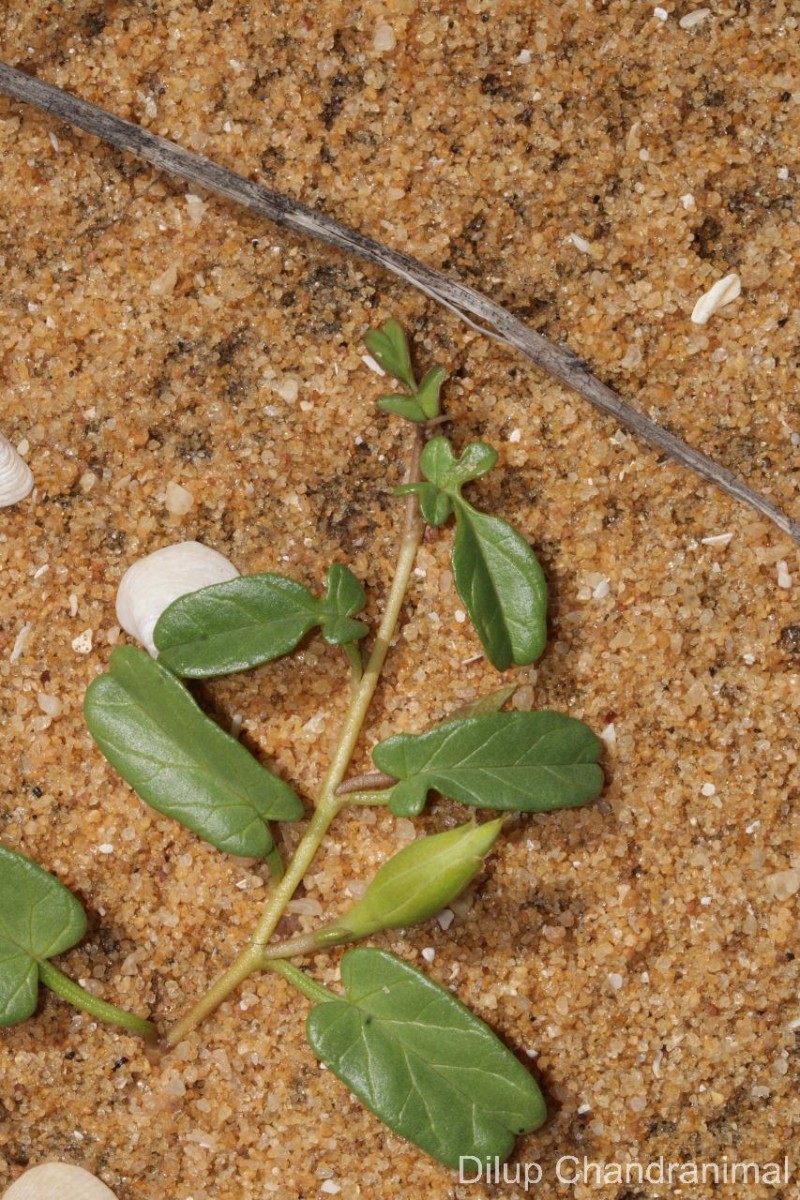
389,347
440,466
253,619
422,1062
39,918
519,761
179,761
502,584
427,393
344,596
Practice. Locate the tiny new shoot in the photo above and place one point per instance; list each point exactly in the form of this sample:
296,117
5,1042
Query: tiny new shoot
396,1038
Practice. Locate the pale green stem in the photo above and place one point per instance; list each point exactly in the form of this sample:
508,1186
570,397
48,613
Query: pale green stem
329,804
78,997
367,798
314,991
307,943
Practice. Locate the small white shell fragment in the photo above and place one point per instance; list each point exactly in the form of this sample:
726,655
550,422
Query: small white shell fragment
82,644
580,243
152,583
694,18
16,480
784,578
717,539
164,284
660,13
723,291
62,1180
178,500
369,361
20,642
195,207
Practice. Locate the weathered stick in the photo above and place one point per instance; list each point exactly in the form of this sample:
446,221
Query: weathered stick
558,361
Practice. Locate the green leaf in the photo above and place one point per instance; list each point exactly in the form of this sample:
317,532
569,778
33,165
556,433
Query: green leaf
253,619
389,348
436,506
407,407
521,761
503,586
428,392
440,466
344,596
39,918
179,761
497,574
492,702
422,1062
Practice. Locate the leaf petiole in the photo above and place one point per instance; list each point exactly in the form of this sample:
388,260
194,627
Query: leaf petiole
78,997
299,979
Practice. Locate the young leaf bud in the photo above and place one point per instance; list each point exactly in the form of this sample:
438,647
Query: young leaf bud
419,881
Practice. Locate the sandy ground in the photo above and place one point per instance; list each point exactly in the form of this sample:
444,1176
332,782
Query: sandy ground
596,167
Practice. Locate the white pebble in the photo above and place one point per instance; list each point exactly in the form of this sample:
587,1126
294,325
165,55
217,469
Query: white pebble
784,578
515,435
722,293
609,735
330,1188
64,1180
164,284
460,616
195,207
384,39
708,789
615,980
445,918
783,172
524,57
105,848
49,704
660,13
783,884
429,954
178,500
688,202
602,589
287,389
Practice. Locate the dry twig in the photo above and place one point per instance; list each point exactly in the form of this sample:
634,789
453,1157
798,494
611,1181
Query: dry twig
556,360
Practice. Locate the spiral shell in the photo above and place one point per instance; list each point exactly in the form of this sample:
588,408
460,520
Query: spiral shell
152,583
61,1180
16,479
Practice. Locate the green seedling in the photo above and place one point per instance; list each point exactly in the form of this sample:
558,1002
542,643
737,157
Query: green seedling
427,1067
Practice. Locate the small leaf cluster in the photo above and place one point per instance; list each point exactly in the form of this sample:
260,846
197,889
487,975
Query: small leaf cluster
430,1069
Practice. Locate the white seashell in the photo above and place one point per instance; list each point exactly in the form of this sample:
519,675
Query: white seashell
58,1181
16,479
152,583
723,291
